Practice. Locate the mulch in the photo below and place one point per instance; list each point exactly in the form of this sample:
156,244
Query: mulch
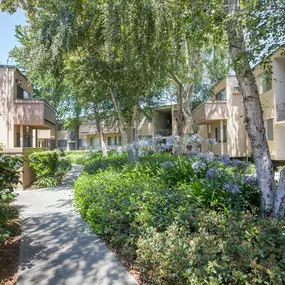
9,257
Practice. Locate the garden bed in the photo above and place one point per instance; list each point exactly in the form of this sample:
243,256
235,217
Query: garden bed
183,220
10,252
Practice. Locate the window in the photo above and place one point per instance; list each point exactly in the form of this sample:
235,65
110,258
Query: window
91,141
21,93
221,96
120,140
82,143
218,134
109,141
264,82
62,143
269,129
97,142
60,127
236,89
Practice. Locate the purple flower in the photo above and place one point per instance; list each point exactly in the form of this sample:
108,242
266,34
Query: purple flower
212,172
250,180
227,159
198,166
233,188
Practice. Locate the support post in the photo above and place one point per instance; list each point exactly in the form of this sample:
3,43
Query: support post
21,135
222,137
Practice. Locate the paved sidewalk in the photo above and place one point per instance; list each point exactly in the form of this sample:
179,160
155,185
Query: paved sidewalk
57,247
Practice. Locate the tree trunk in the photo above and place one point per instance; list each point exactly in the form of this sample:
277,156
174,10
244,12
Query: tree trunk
279,203
101,134
76,132
253,110
122,128
136,130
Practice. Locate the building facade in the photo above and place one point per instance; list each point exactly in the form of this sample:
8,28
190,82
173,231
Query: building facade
23,118
223,116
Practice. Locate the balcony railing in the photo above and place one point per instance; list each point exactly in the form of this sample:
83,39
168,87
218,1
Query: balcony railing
210,111
280,110
34,112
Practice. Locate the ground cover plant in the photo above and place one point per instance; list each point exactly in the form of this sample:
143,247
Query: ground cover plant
191,219
49,167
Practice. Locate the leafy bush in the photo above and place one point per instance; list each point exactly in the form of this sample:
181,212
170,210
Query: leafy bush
49,167
97,163
44,163
10,166
162,197
214,248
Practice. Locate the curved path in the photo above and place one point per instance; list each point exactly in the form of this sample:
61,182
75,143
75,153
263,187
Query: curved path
57,247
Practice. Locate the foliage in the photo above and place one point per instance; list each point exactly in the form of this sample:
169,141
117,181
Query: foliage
10,166
214,248
49,167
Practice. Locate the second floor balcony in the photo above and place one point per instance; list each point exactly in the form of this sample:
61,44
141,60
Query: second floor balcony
92,129
35,112
210,111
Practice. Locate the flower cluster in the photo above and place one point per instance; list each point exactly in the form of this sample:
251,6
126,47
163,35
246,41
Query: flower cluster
199,166
213,173
211,141
195,140
233,188
250,179
172,142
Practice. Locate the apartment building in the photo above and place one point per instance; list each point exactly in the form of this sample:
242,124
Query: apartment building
22,117
222,117
89,139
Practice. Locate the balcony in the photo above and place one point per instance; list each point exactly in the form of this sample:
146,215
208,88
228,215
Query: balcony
280,111
92,130
210,111
34,112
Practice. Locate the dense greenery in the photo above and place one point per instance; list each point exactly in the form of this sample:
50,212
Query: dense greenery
10,166
188,220
49,166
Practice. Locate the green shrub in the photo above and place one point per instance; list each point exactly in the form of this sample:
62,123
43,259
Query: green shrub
49,167
96,163
44,163
215,249
10,166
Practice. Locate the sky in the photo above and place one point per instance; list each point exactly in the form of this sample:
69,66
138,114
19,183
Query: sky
7,33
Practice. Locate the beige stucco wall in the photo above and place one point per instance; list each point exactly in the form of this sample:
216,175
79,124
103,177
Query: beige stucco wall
7,83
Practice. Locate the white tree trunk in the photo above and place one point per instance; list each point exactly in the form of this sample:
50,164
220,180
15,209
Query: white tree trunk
279,204
101,134
253,110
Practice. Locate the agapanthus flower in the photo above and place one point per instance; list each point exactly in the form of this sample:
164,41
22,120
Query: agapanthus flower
212,173
211,141
198,166
233,188
167,164
250,179
195,140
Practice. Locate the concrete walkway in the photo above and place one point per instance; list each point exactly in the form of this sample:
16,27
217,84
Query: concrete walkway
57,247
